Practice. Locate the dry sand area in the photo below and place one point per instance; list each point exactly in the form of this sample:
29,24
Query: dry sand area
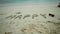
34,18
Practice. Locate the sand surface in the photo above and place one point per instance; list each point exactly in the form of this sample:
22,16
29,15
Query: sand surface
29,18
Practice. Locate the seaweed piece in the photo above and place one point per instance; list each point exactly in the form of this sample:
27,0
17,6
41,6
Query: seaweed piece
34,15
26,16
44,15
8,32
52,15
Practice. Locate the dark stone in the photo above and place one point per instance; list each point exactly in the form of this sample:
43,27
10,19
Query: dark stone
59,6
52,15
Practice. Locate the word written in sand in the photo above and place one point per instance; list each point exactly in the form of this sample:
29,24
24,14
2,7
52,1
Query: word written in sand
19,16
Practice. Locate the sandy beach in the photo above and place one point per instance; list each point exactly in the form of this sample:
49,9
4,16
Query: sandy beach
33,17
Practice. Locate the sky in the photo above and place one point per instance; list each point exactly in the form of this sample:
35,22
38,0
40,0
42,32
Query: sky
24,1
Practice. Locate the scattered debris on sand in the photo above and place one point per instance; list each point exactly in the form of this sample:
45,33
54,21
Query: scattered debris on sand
32,28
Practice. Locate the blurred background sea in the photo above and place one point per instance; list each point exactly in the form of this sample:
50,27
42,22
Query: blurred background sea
25,1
